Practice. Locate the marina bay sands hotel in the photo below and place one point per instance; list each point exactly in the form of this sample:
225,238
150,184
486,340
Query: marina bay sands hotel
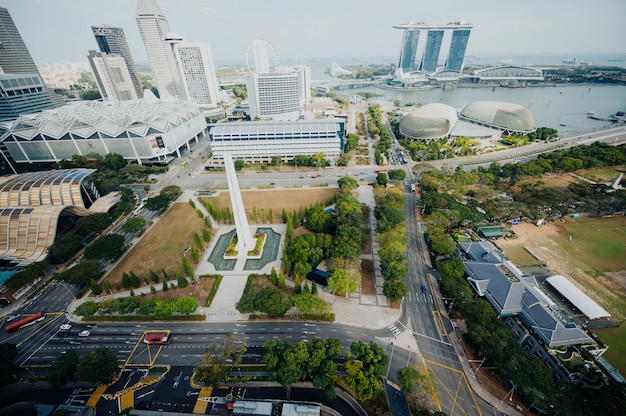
419,57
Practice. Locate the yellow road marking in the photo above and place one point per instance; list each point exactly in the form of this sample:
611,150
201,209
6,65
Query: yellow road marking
127,400
95,396
201,405
455,396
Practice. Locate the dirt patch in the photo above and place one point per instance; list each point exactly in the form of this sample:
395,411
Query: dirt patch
560,182
367,277
277,200
199,290
162,247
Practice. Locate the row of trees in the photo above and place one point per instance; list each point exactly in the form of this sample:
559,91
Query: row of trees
391,233
316,360
377,129
134,305
99,365
274,302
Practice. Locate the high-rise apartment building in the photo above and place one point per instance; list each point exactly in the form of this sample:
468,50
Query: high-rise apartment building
424,55
22,90
195,63
261,58
112,76
154,29
111,40
279,95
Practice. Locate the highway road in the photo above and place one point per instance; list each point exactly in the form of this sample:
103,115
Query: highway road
610,135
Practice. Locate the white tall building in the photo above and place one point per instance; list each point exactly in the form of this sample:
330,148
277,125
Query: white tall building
154,28
261,58
112,77
279,95
195,63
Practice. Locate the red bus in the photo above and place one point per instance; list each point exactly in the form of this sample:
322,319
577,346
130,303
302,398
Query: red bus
380,170
24,321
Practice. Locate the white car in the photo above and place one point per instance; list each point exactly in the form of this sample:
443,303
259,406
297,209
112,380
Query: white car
84,333
66,327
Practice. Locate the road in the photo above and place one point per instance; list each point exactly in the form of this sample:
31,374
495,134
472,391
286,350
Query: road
611,135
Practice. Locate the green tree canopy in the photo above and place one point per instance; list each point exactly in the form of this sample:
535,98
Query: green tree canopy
64,368
81,274
341,282
109,246
93,223
134,225
99,365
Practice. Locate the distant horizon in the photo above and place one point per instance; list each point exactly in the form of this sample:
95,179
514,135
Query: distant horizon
376,59
60,30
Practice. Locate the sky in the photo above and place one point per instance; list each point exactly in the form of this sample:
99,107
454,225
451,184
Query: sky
60,30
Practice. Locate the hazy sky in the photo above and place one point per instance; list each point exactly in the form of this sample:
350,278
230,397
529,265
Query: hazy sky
60,30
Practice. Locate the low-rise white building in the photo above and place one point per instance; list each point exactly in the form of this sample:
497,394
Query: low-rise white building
258,142
147,130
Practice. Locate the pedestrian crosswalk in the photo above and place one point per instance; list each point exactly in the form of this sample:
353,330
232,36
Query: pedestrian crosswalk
394,330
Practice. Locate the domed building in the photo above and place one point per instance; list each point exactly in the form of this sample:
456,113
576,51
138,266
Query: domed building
430,122
508,117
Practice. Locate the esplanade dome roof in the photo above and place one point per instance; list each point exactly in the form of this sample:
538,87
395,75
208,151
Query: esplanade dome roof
429,122
505,116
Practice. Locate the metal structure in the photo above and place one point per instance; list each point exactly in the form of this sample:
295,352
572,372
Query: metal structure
245,241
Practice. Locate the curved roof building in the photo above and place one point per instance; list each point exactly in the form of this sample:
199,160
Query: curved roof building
430,122
31,205
511,118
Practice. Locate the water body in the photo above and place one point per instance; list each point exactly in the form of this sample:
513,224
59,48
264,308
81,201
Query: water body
563,108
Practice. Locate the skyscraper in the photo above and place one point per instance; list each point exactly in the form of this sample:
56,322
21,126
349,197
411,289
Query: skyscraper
14,55
424,56
22,90
112,76
457,49
111,40
154,28
195,63
261,58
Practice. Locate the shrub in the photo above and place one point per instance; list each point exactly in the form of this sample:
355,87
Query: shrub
182,282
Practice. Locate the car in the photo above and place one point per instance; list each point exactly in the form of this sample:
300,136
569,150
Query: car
63,334
272,183
424,290
66,327
75,342
84,333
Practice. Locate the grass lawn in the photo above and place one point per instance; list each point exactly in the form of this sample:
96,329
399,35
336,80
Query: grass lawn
598,242
602,175
521,257
162,246
290,200
615,338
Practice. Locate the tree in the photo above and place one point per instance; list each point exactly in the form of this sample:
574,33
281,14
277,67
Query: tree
93,223
8,369
388,217
215,367
347,183
65,247
157,203
397,174
239,164
113,161
186,305
365,365
416,385
99,365
274,276
63,370
381,179
306,303
90,95
341,282
81,274
394,289
134,225
352,142
109,246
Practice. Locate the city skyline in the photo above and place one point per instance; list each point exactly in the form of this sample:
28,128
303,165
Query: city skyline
349,28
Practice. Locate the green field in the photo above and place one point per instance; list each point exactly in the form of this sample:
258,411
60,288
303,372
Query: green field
598,242
599,245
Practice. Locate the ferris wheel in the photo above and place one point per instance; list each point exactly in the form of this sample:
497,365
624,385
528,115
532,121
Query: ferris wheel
261,56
